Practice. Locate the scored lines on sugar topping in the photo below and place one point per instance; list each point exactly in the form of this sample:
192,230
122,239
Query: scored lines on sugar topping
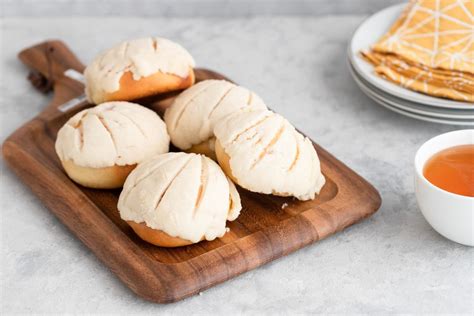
272,142
185,106
172,179
202,186
155,166
133,122
297,153
249,128
104,123
219,101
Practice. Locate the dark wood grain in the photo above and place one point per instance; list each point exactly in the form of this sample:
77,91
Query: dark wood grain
262,233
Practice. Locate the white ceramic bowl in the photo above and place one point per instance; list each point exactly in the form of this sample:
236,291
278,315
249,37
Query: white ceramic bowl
451,215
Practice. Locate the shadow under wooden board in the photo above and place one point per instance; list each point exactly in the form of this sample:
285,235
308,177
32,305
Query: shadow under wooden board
264,231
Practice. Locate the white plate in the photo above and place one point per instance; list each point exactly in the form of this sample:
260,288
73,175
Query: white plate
413,107
374,97
367,34
419,116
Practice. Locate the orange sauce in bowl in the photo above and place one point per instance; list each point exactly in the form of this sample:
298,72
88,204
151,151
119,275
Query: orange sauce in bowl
452,170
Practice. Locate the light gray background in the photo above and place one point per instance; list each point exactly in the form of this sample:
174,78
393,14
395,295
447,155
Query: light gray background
391,263
189,8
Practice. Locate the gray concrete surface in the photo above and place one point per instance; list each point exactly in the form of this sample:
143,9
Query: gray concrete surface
394,262
189,8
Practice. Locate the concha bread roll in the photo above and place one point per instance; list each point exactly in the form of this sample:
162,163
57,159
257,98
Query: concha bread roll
177,199
194,113
262,152
98,147
138,68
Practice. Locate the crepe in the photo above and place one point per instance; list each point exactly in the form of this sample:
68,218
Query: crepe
430,49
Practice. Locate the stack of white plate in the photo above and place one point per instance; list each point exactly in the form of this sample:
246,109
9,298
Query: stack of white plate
390,95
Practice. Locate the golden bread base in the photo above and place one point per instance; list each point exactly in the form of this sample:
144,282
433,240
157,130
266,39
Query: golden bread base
98,178
205,148
131,89
157,237
224,161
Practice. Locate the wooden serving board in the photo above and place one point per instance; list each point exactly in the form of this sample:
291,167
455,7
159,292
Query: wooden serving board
263,232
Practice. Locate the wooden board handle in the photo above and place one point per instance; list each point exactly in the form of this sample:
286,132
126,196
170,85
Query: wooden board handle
48,62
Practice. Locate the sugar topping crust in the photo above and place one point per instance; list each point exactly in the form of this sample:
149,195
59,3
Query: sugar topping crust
267,155
112,133
184,195
194,113
142,57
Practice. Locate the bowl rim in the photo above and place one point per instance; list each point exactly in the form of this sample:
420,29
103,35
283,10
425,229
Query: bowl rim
419,167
